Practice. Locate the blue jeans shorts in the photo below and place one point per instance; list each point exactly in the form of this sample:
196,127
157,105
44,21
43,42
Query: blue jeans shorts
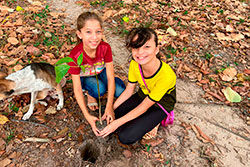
90,84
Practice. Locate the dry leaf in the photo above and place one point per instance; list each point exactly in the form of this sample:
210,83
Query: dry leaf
123,11
54,14
222,36
152,142
36,3
127,1
5,8
2,144
51,110
33,50
48,56
236,37
247,71
65,130
171,31
18,67
5,162
47,34
127,153
3,119
216,96
107,14
228,74
229,28
203,135
12,40
231,95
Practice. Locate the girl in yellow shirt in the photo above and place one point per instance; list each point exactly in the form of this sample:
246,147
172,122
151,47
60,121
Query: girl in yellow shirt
136,114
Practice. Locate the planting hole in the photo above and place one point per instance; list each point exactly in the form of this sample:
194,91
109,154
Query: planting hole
90,152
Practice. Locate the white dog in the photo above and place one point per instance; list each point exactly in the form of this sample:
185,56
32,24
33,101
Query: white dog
37,79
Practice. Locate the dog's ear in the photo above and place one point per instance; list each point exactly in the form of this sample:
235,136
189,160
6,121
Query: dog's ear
2,87
2,75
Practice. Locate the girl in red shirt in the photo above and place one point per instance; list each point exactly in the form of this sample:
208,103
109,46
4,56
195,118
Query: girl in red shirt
97,59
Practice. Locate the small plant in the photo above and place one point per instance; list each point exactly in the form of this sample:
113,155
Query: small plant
221,11
208,56
13,107
184,49
10,136
61,69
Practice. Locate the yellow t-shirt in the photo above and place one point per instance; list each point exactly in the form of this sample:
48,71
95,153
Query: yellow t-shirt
161,84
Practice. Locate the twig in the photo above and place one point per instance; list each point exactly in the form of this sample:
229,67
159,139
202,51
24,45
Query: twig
14,120
35,139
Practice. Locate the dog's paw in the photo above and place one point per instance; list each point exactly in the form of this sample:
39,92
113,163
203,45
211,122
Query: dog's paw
26,116
59,107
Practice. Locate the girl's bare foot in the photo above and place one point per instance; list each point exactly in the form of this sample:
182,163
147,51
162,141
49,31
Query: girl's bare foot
92,104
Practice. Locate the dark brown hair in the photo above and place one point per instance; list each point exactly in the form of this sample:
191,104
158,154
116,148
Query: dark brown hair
143,35
83,18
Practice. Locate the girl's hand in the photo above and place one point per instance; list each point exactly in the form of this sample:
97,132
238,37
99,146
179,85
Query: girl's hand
109,115
92,119
109,129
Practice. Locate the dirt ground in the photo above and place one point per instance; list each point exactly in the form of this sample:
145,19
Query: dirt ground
203,134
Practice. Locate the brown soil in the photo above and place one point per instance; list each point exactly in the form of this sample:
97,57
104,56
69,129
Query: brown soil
203,134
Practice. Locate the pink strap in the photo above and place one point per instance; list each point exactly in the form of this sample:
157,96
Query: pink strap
149,91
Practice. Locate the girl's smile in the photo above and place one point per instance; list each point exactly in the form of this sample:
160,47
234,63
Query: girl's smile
146,53
91,35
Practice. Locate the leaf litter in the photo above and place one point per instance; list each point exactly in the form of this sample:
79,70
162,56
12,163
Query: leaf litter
203,41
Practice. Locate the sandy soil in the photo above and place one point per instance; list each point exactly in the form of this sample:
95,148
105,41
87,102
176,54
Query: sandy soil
223,139
220,123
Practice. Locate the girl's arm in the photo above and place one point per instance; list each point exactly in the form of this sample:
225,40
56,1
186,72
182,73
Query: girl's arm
127,93
111,91
140,109
77,87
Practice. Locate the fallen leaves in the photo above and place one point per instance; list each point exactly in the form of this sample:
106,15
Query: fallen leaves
171,31
201,135
50,110
127,153
5,162
231,37
3,119
228,74
231,95
152,142
13,40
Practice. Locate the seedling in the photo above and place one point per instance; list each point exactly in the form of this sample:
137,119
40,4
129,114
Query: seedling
13,107
99,99
10,136
62,68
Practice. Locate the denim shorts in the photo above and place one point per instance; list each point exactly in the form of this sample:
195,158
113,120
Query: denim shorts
90,84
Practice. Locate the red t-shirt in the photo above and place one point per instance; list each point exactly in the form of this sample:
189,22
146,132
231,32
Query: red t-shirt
103,55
